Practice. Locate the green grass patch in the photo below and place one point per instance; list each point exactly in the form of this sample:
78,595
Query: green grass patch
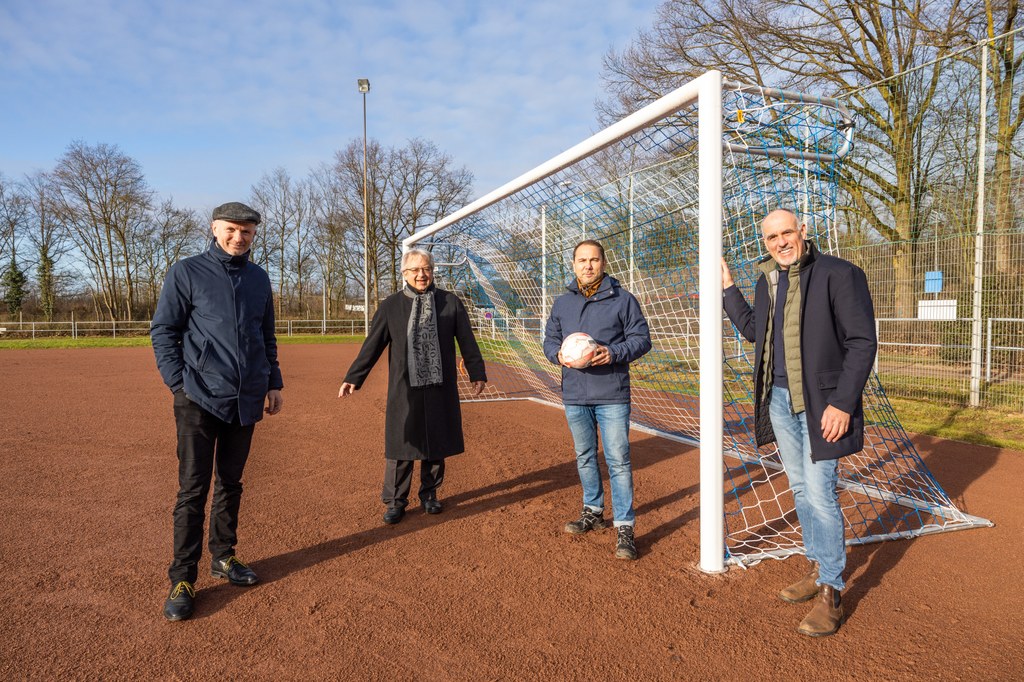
314,339
67,342
135,341
995,428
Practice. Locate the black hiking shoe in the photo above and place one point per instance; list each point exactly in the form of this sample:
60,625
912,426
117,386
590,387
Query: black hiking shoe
589,520
625,546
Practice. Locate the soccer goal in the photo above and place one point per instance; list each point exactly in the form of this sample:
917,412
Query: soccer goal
668,190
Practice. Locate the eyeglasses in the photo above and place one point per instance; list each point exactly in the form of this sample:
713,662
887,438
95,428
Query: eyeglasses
416,271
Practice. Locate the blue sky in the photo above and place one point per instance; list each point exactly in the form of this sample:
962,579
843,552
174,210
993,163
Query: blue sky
208,96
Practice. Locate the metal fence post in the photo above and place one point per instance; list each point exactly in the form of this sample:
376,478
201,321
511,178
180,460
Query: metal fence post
878,350
988,352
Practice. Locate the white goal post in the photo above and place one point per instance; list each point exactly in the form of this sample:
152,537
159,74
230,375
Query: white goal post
657,189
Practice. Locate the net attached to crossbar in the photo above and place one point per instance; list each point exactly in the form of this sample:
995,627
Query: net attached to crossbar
639,197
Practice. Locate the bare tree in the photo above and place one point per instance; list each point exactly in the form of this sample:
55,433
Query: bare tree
274,196
175,233
420,186
336,232
14,212
49,241
408,188
101,197
1000,20
857,49
348,170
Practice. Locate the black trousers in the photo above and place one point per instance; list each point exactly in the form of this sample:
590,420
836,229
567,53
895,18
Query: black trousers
206,445
398,481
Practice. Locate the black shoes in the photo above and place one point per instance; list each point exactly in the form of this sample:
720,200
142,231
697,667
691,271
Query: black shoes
180,602
234,570
625,545
395,514
589,520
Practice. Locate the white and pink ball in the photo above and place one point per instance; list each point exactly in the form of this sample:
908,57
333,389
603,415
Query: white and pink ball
578,350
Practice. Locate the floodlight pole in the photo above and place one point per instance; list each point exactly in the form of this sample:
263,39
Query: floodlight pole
364,87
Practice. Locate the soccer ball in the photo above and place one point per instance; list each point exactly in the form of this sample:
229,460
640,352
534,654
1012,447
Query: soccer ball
578,350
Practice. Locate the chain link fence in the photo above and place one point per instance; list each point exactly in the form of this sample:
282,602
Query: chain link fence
127,328
941,242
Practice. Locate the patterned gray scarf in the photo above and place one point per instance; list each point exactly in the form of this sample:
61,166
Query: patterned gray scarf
424,349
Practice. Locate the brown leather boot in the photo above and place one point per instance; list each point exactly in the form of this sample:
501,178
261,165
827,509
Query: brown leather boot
803,589
826,615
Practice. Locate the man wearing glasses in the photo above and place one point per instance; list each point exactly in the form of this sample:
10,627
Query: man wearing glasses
423,420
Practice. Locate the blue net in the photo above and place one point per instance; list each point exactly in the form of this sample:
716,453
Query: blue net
639,198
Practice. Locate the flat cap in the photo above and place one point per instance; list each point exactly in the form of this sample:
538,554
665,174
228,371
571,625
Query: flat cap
236,212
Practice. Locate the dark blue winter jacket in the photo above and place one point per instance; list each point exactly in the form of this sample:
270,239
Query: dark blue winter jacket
612,316
213,334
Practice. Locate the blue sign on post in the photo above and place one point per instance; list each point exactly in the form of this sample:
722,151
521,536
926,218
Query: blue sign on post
933,282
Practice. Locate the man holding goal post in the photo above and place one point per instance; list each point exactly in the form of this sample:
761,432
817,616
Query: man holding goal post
813,326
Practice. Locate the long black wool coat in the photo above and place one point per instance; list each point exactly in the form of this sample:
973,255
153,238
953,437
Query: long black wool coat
420,423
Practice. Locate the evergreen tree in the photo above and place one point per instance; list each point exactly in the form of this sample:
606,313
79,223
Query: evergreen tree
14,283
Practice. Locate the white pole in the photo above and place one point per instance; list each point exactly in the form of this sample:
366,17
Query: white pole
323,328
876,339
979,238
631,259
709,136
543,267
988,353
366,233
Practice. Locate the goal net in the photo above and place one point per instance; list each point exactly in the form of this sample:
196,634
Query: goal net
666,191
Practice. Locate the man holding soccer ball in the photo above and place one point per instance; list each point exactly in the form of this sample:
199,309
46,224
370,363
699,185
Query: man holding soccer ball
595,385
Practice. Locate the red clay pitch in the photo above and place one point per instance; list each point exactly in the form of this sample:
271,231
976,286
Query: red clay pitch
490,589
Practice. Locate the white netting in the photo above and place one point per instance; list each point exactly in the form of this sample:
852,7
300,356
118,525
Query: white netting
639,197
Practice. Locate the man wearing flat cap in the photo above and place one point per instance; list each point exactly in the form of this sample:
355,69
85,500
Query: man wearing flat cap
213,335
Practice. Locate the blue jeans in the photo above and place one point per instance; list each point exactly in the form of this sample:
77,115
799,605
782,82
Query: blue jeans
613,422
814,490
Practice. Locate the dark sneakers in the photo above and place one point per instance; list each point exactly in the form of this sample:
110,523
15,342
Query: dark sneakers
589,520
180,602
625,545
393,515
234,570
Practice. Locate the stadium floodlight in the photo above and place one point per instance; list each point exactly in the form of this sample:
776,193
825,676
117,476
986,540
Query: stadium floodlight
668,190
364,87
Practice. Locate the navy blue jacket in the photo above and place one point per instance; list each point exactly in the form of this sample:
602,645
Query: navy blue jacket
837,347
612,316
213,334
